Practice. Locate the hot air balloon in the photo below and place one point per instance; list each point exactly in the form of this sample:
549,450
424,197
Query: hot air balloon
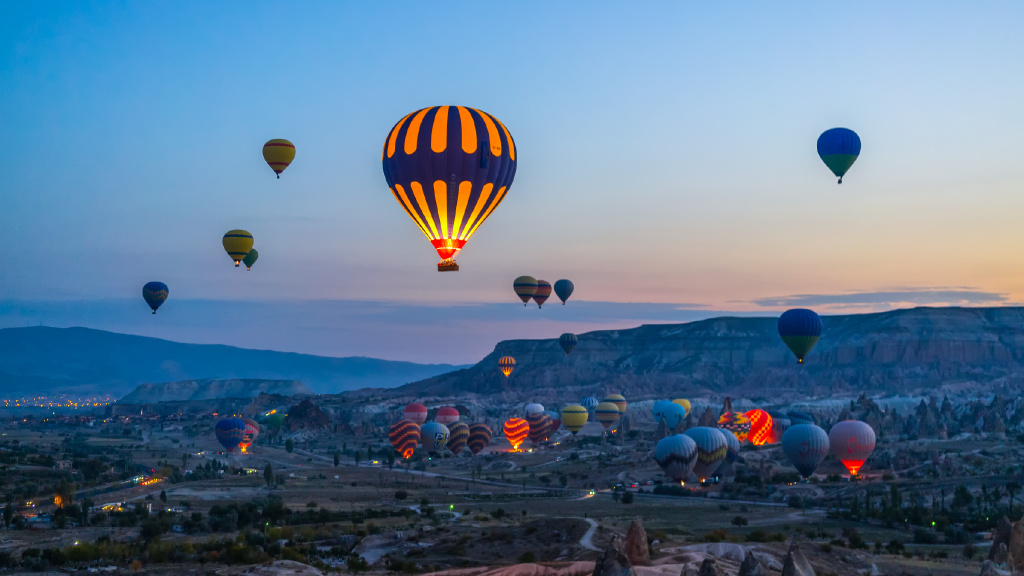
250,259
516,430
684,403
278,153
415,412
543,292
800,329
852,443
434,436
447,416
590,403
567,341
533,408
806,446
732,445
525,287
839,148
479,437
618,399
737,423
230,433
237,243
712,448
459,437
276,420
155,294
780,423
672,413
760,427
676,455
539,424
563,289
404,435
449,167
252,430
607,414
800,417
556,422
507,364
575,417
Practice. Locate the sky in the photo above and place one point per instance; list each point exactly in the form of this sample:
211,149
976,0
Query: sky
667,165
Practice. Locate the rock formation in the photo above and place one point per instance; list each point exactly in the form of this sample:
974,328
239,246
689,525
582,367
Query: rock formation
1000,535
614,561
796,563
988,568
1015,547
752,566
306,416
708,568
636,548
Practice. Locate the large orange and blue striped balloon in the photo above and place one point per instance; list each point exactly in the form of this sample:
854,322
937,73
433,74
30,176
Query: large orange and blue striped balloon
155,294
479,437
404,435
449,167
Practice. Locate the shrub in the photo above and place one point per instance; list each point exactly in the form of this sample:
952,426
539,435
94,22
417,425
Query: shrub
526,558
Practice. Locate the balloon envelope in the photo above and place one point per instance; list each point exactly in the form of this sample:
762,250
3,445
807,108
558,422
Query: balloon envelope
155,294
278,154
800,329
516,430
540,425
404,435
590,403
711,450
852,443
434,436
805,445
563,289
676,455
533,408
415,412
575,417
525,287
732,448
479,437
543,292
449,167
230,433
671,412
556,421
237,243
684,403
607,414
800,418
737,423
760,427
839,149
506,364
447,416
458,437
250,259
567,341
618,399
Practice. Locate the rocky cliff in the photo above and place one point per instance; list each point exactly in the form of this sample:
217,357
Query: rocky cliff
896,351
211,389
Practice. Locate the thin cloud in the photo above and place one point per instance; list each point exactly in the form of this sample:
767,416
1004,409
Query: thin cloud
920,297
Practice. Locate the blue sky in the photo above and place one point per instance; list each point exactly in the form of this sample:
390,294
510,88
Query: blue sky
666,156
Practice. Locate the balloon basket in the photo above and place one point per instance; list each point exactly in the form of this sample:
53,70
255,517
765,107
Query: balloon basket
447,266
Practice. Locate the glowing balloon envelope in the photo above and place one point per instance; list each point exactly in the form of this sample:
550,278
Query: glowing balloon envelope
737,423
839,149
516,430
278,153
563,289
567,341
479,437
575,417
507,364
434,436
404,435
676,455
155,294
458,437
760,427
252,431
805,445
525,287
449,167
237,243
852,443
800,329
543,292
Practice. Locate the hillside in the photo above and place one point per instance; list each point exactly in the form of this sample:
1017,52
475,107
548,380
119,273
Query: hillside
896,351
42,360
209,389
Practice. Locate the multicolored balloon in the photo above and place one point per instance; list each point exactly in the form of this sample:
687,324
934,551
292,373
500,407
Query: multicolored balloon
712,448
479,437
852,443
525,287
590,403
250,259
737,423
800,329
533,408
516,430
780,423
415,412
230,433
543,292
237,243
607,414
506,364
449,167
447,416
458,437
278,153
252,431
618,399
806,445
434,436
563,289
732,448
155,294
671,412
404,435
839,149
760,427
575,417
676,455
556,422
540,425
567,341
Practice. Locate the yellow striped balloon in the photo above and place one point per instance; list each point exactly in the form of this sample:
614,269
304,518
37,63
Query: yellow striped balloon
684,403
607,414
237,243
617,399
278,153
574,417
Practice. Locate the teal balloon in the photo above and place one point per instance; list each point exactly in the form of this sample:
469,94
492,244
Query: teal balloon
250,259
155,294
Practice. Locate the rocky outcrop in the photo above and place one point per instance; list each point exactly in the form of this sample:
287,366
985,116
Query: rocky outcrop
1015,547
988,568
796,563
635,547
708,568
275,568
212,389
614,561
752,566
306,416
999,554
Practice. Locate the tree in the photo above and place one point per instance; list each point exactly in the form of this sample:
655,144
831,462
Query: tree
357,456
289,445
1012,488
739,521
969,551
616,495
268,474
337,459
65,493
311,504
627,498
8,514
391,459
163,496
401,494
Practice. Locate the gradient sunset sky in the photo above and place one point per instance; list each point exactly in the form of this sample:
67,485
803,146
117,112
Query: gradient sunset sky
667,165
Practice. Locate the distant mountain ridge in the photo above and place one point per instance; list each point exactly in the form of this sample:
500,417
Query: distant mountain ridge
212,389
41,360
887,352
